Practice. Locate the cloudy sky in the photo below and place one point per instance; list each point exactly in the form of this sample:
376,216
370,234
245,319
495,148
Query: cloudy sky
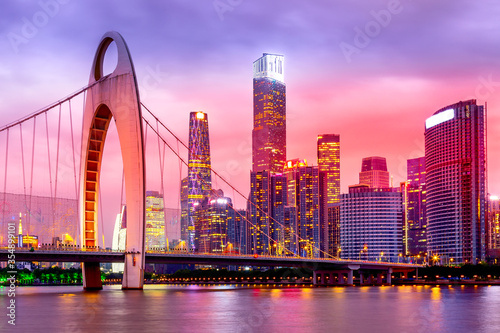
371,71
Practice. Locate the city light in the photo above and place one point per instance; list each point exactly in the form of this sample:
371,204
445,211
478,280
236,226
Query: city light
200,115
439,118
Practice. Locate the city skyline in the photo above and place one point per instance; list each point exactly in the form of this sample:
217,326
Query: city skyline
364,95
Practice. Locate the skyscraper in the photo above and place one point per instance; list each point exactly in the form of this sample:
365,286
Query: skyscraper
455,165
329,163
269,114
414,201
493,223
370,223
155,221
199,169
374,172
211,223
268,199
310,211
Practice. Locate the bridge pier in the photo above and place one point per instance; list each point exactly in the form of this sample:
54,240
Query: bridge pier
91,272
327,277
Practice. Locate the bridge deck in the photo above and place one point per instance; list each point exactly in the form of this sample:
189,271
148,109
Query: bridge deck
180,257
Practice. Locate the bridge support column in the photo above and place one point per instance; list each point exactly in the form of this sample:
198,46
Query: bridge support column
350,277
341,277
315,278
389,276
331,280
361,278
91,272
379,278
133,273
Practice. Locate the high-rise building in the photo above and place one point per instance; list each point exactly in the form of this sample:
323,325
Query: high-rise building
455,166
269,114
199,169
329,163
155,221
290,173
267,202
374,172
333,225
184,209
371,224
310,212
414,201
236,230
211,217
493,223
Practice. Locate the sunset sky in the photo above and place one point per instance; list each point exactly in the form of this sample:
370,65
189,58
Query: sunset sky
371,71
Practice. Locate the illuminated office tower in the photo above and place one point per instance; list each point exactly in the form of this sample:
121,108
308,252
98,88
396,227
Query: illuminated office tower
211,216
371,224
199,169
269,114
236,230
455,166
310,215
184,209
290,230
155,221
374,172
414,202
493,223
290,172
267,202
329,163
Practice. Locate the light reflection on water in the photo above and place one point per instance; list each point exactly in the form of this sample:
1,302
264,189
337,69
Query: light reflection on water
246,309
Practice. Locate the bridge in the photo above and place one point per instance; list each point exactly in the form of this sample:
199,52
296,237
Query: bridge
115,96
323,268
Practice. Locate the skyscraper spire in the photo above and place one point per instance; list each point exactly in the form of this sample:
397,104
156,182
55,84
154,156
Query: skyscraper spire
269,114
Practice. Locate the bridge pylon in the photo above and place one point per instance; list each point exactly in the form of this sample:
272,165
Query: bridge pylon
114,96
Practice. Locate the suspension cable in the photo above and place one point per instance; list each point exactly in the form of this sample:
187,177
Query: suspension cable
32,167
5,177
24,173
50,174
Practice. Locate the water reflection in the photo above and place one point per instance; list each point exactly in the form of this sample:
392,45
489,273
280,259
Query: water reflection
233,308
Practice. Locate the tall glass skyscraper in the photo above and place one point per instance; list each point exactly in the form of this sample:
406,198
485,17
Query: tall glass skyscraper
414,201
199,169
329,163
269,114
455,164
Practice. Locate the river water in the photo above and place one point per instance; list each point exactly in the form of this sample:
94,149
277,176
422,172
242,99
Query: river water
161,308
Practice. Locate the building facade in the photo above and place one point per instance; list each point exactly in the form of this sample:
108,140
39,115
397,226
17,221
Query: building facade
414,201
455,165
211,223
329,163
268,197
155,221
269,114
199,169
493,223
374,172
371,224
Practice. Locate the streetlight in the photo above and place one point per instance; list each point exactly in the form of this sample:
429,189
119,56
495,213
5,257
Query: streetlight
381,255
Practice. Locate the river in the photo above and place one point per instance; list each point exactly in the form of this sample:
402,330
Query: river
161,308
